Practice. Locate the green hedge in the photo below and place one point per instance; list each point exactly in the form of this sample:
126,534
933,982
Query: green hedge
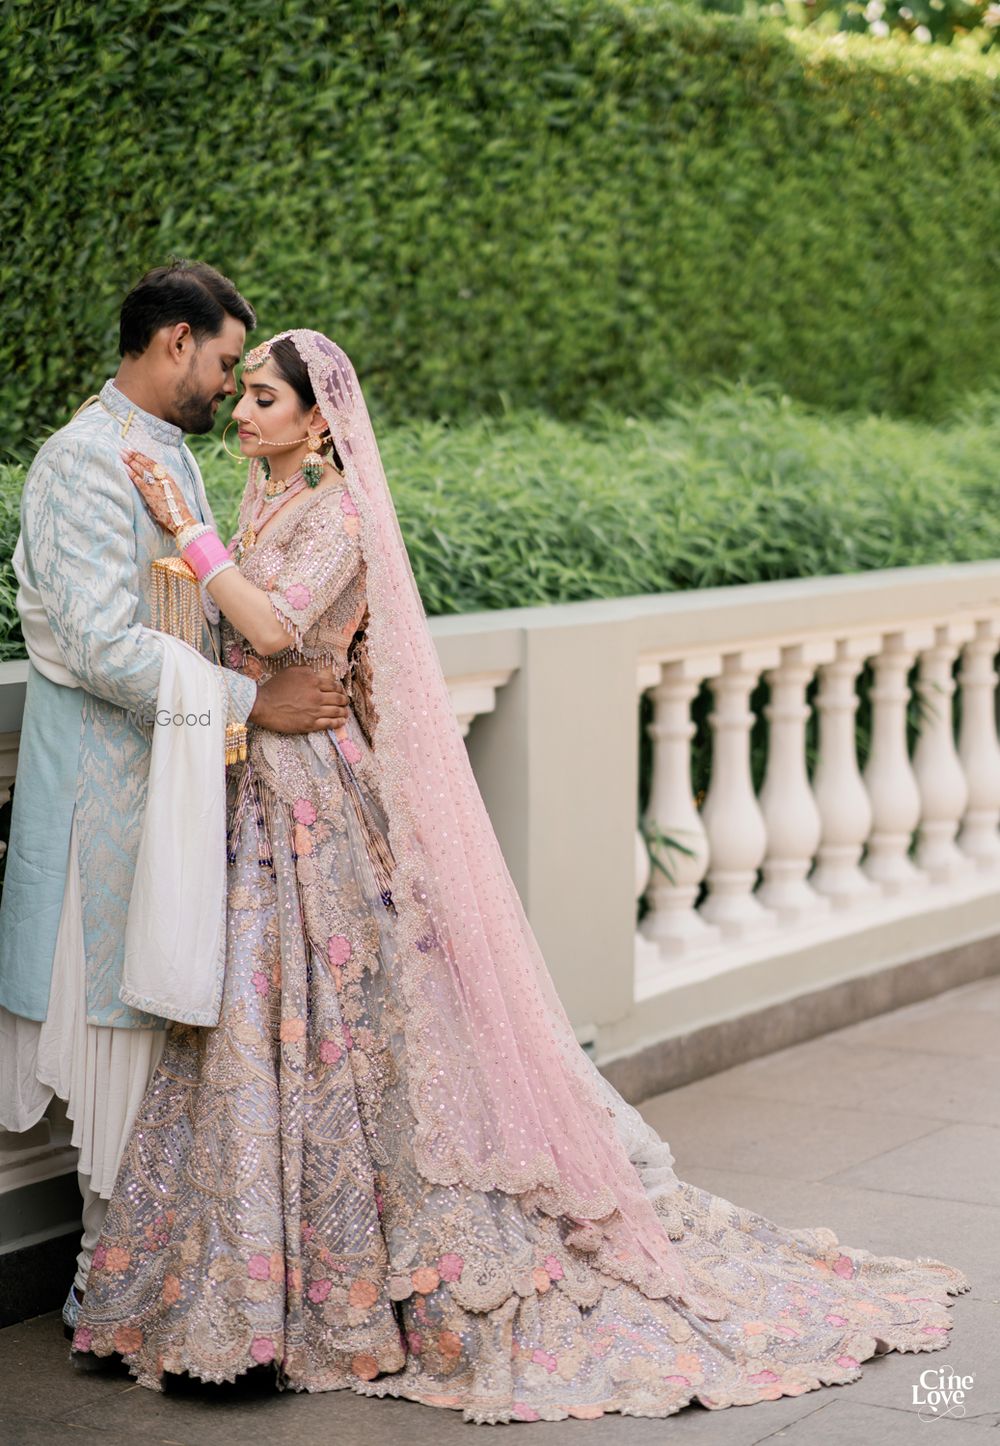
492,201
738,486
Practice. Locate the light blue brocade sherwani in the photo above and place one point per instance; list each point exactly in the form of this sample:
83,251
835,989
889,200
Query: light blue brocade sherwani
88,543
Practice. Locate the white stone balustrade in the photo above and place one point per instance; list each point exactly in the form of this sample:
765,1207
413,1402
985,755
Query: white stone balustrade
909,835
826,875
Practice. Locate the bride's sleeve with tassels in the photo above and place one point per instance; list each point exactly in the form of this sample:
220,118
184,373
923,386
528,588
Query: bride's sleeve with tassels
318,558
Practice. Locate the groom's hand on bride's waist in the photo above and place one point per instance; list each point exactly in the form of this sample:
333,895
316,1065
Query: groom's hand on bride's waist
298,699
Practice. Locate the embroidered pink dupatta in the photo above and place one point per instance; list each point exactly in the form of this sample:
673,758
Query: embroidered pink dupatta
503,1094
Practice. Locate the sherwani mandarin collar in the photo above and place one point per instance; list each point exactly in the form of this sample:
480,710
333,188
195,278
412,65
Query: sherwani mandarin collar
128,414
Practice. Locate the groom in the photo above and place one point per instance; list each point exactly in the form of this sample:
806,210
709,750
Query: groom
83,564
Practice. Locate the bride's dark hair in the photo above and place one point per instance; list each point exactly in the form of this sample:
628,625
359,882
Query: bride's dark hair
293,370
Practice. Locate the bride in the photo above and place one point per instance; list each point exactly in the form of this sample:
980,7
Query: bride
389,1166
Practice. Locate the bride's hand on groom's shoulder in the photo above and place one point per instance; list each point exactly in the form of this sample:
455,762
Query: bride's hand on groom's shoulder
298,699
159,491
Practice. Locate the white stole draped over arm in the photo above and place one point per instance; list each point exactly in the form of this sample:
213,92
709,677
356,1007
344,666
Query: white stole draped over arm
175,938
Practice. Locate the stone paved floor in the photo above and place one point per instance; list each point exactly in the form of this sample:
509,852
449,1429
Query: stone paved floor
888,1131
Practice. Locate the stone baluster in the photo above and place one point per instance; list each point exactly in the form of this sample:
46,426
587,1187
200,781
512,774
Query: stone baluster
737,837
978,748
844,807
939,774
791,817
673,923
888,774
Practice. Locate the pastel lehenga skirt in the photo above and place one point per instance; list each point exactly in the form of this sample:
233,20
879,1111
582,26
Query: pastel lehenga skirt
269,1211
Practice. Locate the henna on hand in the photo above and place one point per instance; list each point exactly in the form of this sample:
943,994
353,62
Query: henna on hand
159,491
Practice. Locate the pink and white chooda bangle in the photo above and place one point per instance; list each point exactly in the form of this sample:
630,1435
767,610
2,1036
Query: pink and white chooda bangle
206,556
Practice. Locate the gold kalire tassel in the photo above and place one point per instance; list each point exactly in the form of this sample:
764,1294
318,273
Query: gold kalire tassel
177,610
177,601
236,743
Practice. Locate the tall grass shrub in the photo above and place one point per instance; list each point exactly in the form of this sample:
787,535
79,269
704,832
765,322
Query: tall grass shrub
740,485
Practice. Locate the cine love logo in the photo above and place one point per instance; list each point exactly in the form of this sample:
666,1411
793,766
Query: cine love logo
939,1392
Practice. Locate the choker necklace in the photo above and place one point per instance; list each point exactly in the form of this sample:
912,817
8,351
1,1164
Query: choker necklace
270,498
266,502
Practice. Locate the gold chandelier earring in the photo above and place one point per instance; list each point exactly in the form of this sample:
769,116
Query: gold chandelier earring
312,463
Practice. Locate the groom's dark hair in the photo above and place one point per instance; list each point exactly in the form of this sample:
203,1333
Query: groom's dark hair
190,291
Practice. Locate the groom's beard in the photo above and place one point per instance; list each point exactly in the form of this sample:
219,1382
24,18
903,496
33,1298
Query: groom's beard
193,411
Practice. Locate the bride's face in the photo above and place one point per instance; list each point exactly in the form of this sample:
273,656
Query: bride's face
270,415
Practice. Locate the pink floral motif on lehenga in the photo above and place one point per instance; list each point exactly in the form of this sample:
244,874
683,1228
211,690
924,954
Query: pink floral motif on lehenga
338,949
128,1339
363,1293
450,1266
259,1267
